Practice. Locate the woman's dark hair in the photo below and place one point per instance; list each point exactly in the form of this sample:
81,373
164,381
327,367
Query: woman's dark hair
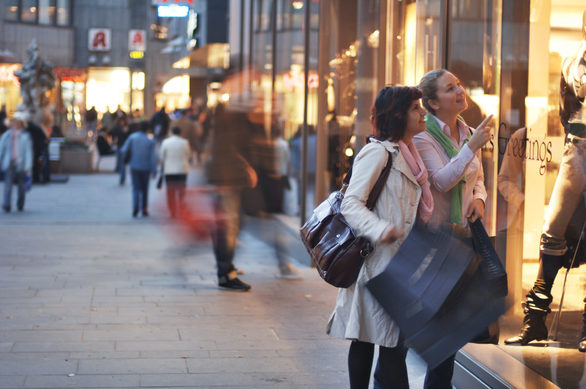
428,86
176,130
389,112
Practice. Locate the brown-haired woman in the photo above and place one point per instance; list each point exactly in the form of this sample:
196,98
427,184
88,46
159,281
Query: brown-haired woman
397,117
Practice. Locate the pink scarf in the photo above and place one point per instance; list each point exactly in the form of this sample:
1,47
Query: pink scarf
413,159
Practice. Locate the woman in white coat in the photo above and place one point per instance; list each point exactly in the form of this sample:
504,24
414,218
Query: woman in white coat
397,117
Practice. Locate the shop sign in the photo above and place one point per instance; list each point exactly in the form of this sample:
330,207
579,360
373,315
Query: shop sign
136,54
137,40
99,39
69,74
7,73
167,2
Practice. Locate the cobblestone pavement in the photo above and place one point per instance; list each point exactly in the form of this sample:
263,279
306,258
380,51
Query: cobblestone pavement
92,298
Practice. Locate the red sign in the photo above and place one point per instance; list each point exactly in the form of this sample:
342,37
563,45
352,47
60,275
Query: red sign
69,74
136,40
99,39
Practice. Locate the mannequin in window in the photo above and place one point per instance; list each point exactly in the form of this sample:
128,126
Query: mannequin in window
567,196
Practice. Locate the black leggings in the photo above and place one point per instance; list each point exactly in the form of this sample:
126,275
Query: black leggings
391,369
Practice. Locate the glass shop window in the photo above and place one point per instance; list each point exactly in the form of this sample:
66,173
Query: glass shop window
29,11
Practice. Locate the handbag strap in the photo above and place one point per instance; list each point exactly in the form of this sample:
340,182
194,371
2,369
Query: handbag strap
378,186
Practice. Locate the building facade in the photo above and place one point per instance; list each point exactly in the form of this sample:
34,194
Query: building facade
507,54
106,53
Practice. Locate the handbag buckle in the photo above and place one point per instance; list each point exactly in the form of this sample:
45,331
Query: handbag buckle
365,252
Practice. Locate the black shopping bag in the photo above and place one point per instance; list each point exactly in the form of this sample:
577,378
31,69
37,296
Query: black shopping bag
435,290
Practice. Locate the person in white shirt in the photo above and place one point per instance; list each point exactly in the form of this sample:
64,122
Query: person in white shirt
450,151
16,159
175,156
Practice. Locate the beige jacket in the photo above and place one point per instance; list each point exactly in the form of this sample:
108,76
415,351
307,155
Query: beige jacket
357,314
175,155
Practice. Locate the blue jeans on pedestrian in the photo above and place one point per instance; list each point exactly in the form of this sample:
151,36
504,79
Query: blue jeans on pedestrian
225,234
11,175
140,190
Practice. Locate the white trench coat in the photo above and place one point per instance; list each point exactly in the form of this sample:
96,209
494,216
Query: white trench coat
357,315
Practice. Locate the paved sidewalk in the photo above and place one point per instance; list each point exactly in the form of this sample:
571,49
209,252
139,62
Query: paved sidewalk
92,298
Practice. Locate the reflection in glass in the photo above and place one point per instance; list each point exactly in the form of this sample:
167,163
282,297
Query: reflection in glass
46,11
29,10
478,68
63,10
11,10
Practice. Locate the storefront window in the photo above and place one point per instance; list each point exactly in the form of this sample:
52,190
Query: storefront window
340,25
537,36
63,12
174,94
297,10
108,88
47,11
29,11
474,57
11,10
9,87
263,14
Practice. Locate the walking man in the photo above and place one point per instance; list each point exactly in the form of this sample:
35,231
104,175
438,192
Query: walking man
16,158
139,151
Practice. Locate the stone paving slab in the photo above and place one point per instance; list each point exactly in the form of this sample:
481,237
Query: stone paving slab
92,298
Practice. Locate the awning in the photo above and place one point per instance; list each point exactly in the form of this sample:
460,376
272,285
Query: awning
212,55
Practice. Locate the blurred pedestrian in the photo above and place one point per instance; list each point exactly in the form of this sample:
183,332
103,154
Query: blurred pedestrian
3,119
405,199
47,127
108,119
119,134
450,151
189,128
91,123
175,155
39,140
139,151
270,158
160,124
103,145
16,158
229,170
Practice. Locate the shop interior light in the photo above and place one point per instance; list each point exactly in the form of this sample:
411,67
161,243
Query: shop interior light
297,4
349,152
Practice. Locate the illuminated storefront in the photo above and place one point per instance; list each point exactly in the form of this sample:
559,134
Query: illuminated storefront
108,88
174,94
9,87
508,55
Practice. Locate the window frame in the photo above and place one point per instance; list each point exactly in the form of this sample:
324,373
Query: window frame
54,20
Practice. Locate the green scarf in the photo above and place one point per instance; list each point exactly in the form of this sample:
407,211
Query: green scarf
456,202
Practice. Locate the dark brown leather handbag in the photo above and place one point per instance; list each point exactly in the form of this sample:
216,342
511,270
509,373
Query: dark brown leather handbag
334,247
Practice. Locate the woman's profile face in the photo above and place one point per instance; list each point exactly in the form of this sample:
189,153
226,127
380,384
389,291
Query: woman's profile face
451,96
415,119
